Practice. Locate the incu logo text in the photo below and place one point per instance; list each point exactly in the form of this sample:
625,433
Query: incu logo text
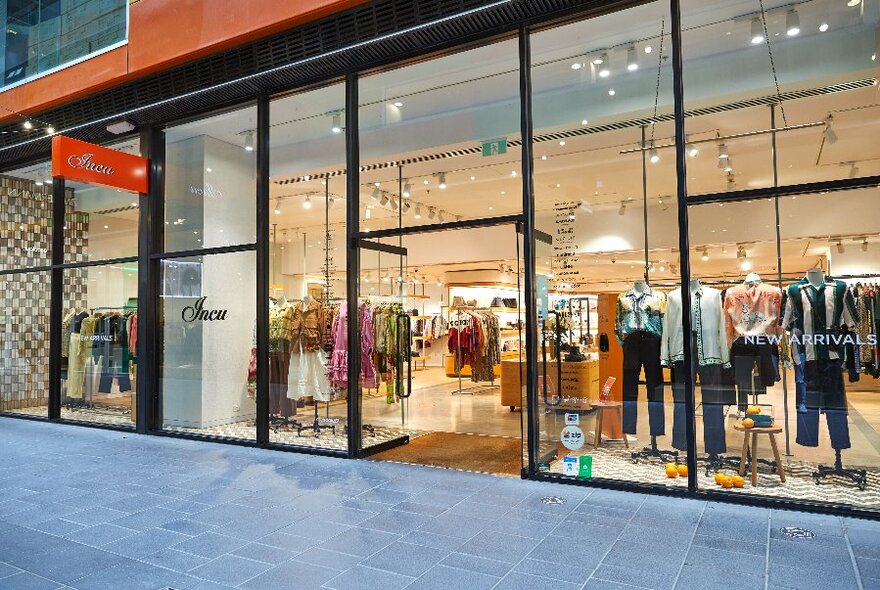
197,311
85,161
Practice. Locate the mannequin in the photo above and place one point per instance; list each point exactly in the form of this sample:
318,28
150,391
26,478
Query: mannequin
751,313
638,325
710,353
816,310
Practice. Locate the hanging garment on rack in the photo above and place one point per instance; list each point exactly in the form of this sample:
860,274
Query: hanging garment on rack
337,369
307,375
280,336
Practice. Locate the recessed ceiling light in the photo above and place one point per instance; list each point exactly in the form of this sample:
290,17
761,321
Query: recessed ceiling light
544,157
757,32
648,49
584,122
611,92
562,142
398,104
576,65
823,27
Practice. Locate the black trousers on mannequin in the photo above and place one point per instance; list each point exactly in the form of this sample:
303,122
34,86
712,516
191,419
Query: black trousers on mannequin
825,393
279,403
712,391
745,357
642,349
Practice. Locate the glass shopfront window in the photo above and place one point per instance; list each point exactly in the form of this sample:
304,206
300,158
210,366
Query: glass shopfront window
43,35
24,343
99,344
807,69
439,140
307,271
604,186
210,182
207,355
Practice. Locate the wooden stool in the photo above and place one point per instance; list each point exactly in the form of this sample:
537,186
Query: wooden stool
771,432
615,408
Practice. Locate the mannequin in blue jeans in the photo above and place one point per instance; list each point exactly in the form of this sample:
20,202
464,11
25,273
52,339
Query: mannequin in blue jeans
800,384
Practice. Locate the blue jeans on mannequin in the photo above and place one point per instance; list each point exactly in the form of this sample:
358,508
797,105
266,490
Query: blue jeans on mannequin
800,384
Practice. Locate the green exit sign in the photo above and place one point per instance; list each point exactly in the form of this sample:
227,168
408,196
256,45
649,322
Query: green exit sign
495,147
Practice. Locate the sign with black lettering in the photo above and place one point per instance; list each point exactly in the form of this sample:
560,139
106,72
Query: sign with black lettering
197,312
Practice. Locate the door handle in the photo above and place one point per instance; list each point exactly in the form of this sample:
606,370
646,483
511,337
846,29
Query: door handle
406,333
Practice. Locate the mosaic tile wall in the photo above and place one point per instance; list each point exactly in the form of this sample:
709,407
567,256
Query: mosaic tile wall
25,241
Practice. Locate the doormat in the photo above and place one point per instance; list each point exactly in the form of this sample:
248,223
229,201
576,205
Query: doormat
468,452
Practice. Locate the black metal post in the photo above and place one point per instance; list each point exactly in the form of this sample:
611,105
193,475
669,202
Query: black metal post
645,198
56,297
684,242
530,291
263,270
151,233
352,213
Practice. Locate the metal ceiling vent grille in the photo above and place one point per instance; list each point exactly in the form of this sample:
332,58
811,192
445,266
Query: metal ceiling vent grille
364,37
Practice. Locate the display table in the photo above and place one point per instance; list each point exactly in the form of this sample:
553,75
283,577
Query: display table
771,432
579,388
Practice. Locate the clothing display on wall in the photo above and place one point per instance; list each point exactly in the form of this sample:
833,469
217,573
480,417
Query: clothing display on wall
866,357
474,340
638,325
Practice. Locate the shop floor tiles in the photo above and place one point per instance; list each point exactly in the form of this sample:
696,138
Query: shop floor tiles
252,518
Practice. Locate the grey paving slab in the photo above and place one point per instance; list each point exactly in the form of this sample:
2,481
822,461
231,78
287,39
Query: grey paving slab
148,512
364,578
441,577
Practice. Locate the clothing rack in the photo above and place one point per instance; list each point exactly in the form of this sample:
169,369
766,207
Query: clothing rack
458,309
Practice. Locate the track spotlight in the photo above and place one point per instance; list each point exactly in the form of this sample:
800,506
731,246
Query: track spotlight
331,201
792,23
277,206
407,189
705,256
585,205
662,266
368,213
632,60
440,217
376,194
604,68
823,26
336,124
757,36
393,204
611,92
741,253
418,214
865,245
576,65
691,150
600,59
249,141
653,155
441,180
664,205
840,247
731,181
728,165
432,212
722,152
406,206
307,203
622,209
384,200
853,170
830,135
50,130
27,125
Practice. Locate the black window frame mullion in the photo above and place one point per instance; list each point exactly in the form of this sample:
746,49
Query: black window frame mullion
352,285
56,297
262,254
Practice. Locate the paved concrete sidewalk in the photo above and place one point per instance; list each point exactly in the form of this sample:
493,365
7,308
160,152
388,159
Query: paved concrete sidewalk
88,509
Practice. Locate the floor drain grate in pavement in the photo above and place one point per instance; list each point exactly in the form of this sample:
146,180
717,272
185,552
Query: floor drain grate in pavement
796,532
552,500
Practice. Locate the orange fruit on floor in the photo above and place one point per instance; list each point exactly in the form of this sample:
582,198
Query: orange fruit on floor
671,470
753,410
683,470
748,423
738,481
719,477
728,482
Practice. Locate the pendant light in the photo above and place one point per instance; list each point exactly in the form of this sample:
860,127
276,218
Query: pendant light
792,23
277,206
307,203
441,180
632,60
27,125
830,135
407,189
418,214
757,36
336,123
375,194
653,155
249,141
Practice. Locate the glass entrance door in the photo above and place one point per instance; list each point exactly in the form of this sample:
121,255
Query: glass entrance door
385,332
443,313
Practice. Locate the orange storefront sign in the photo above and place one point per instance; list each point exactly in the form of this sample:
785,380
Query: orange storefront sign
81,161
